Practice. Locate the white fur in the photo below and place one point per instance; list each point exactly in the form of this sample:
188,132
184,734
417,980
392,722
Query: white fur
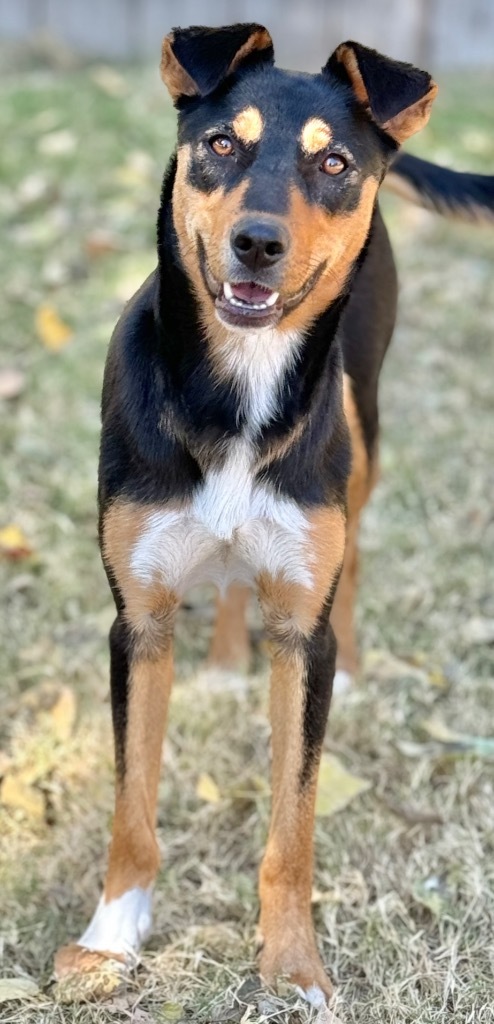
121,925
314,995
232,530
257,363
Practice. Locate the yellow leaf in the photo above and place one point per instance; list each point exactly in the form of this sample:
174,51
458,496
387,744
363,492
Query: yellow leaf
458,743
383,666
17,988
52,330
207,789
14,543
336,786
172,1012
63,712
19,796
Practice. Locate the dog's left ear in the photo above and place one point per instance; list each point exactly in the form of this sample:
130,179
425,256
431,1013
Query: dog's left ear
194,61
398,96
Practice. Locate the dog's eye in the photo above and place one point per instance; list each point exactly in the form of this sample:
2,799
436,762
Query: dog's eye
334,164
221,145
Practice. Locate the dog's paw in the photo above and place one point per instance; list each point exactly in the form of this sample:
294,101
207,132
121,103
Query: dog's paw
301,968
75,960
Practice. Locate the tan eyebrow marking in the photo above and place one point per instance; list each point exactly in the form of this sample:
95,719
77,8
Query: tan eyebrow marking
248,125
316,135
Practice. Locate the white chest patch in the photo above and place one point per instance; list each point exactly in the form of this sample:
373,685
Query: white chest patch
232,530
256,364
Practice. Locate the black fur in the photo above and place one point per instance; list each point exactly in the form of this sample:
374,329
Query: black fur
207,53
468,196
391,85
120,644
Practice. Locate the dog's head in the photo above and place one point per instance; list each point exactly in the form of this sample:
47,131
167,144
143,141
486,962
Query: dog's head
277,172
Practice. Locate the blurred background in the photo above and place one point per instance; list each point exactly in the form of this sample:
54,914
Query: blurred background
443,33
403,874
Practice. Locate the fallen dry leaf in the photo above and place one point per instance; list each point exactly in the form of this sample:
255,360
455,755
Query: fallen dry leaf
100,242
58,143
384,666
207,789
14,543
17,795
109,81
17,988
336,786
12,383
63,713
456,742
51,329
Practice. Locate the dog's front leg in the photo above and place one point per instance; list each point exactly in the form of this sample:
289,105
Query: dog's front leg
303,661
141,678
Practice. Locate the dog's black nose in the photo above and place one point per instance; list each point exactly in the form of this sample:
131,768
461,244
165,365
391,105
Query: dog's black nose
259,243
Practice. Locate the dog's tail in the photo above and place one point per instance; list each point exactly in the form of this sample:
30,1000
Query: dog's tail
468,197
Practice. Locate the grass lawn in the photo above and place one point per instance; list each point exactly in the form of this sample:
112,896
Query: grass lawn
404,886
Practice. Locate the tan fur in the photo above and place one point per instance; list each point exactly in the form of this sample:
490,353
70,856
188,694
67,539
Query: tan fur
150,609
212,216
134,856
259,40
279,447
285,881
316,135
361,482
316,237
291,609
413,119
230,644
286,872
404,124
346,55
319,237
248,125
75,959
175,77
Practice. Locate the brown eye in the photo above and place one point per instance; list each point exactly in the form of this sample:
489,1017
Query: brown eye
333,164
221,145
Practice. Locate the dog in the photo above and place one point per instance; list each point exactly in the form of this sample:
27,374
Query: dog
240,430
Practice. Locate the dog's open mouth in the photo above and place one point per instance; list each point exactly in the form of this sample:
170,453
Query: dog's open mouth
248,300
241,303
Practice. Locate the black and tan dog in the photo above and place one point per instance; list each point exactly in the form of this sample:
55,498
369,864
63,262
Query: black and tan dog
240,427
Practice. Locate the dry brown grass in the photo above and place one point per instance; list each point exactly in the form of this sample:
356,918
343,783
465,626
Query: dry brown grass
404,898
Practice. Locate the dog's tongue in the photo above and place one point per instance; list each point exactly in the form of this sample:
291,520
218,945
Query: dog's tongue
251,292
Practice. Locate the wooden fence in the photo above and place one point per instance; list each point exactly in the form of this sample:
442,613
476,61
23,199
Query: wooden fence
431,32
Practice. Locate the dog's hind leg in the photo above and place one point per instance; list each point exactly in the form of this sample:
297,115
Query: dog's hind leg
230,646
303,659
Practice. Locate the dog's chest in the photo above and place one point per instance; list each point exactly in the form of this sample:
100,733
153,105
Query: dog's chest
233,529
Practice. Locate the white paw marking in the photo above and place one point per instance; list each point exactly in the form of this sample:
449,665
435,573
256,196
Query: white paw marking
314,995
121,925
343,682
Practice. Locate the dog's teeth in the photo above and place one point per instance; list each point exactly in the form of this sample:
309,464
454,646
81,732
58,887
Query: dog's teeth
241,304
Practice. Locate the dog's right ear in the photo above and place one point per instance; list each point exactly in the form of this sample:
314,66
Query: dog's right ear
194,61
